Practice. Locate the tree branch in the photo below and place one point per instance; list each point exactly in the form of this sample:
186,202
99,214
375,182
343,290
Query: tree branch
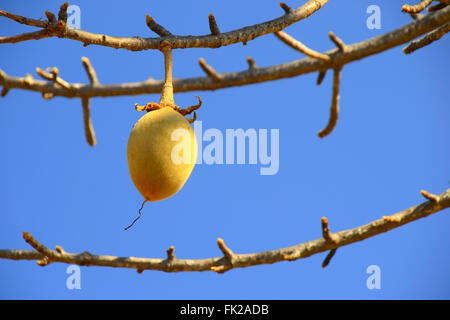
176,42
432,36
297,45
334,110
231,260
213,25
353,52
36,35
417,7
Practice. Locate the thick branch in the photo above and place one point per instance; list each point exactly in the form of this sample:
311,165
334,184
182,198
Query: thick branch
302,250
353,52
180,42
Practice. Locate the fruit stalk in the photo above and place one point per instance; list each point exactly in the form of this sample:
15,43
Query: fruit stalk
167,91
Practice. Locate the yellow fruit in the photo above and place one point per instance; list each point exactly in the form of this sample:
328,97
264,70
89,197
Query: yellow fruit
161,153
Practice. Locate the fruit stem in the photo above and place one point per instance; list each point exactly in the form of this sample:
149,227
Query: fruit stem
167,91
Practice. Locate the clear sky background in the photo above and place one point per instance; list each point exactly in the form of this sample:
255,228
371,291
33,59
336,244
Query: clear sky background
391,141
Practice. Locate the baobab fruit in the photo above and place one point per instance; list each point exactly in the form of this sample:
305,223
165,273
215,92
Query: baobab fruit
161,153
162,148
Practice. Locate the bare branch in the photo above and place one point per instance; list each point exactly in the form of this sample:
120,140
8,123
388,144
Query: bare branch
297,45
337,41
62,14
328,258
179,42
88,127
170,253
55,78
209,70
326,230
353,52
428,39
251,63
156,28
417,7
51,17
213,25
36,35
90,71
334,110
285,7
320,77
329,238
4,92
227,253
23,20
429,196
299,251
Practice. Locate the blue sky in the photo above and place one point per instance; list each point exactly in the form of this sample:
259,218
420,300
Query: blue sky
391,141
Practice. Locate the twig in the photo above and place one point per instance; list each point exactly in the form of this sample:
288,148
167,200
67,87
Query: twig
213,25
334,110
209,70
429,196
285,7
417,7
170,253
90,71
156,28
302,250
428,39
337,41
326,230
297,45
24,20
62,14
320,77
39,247
88,127
36,35
4,92
328,258
227,254
59,249
54,76
251,63
51,17
329,238
244,34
